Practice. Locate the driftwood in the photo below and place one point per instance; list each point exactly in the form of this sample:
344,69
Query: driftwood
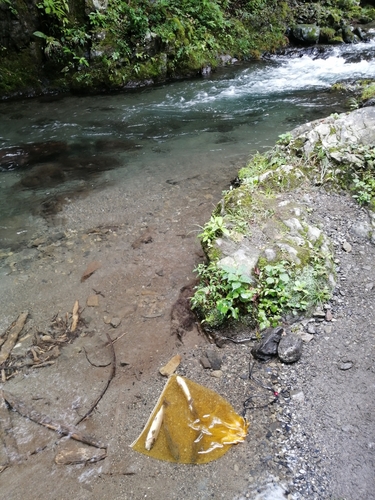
12,336
39,418
7,436
111,376
80,456
75,316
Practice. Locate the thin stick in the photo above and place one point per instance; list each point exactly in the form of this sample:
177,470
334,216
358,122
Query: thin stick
111,376
118,338
44,420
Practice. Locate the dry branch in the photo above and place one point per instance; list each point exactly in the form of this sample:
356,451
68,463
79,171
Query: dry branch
75,316
12,337
6,435
79,456
39,418
111,376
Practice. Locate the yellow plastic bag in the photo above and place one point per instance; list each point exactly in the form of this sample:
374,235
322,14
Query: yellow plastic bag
190,424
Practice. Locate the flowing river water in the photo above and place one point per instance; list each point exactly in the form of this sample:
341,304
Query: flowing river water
202,128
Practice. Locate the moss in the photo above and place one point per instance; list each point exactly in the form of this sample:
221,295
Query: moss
327,34
368,92
20,73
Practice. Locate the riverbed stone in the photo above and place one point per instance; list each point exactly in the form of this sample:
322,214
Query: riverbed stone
267,347
306,33
290,348
214,359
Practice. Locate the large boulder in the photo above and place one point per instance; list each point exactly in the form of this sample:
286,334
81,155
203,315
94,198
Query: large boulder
306,33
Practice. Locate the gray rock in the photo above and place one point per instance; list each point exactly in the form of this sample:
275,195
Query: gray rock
307,33
361,230
290,348
270,254
205,362
214,359
267,347
310,328
115,322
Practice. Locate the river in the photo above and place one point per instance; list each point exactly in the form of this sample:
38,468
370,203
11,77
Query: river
201,128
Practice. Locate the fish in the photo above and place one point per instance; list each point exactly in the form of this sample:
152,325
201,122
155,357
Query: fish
153,433
185,389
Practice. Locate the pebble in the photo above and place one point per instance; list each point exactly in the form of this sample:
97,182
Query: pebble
115,322
329,315
92,301
346,365
311,328
216,373
297,396
346,246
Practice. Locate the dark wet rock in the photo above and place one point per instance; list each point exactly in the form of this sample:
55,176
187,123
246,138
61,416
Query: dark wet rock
28,154
267,347
182,317
115,144
306,33
214,359
347,35
290,348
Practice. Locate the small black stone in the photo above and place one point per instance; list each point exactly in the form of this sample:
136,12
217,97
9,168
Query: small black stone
267,347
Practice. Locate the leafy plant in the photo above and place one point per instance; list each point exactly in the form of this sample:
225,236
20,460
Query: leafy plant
284,139
364,190
58,8
12,8
214,228
276,290
222,294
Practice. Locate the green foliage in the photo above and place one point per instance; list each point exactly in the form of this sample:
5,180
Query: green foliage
278,289
285,139
223,293
213,229
11,6
364,190
57,8
368,92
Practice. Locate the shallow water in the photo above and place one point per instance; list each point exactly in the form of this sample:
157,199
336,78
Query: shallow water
165,133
